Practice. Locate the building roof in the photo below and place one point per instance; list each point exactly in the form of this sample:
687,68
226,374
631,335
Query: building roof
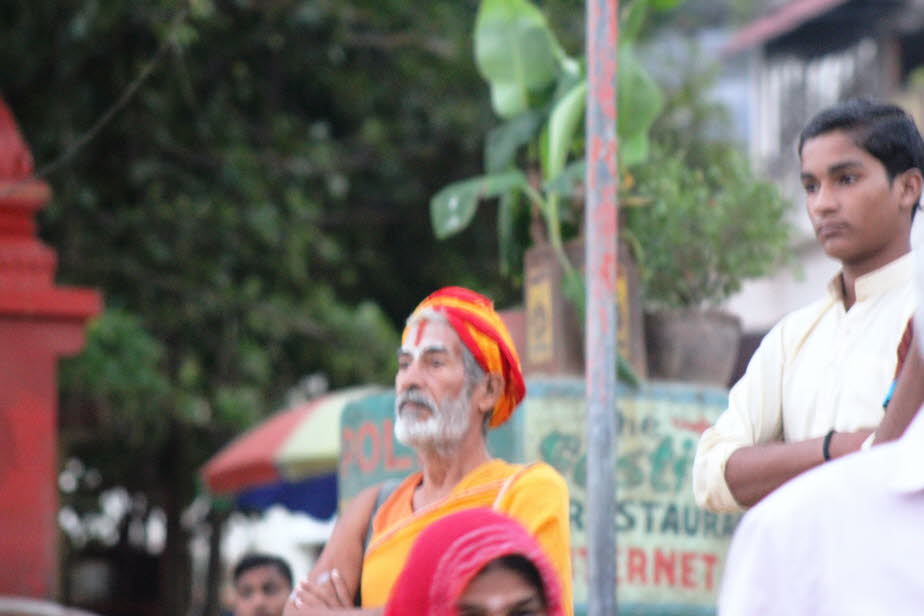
781,20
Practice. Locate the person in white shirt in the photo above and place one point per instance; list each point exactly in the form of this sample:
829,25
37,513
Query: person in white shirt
814,389
845,538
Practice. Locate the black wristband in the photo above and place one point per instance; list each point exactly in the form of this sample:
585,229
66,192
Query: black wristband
826,445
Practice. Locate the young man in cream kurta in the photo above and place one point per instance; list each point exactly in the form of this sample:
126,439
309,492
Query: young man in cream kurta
845,538
814,388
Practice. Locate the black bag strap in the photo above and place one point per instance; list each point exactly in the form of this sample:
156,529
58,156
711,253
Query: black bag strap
386,488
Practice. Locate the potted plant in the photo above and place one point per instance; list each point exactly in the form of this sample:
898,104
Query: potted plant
706,229
709,224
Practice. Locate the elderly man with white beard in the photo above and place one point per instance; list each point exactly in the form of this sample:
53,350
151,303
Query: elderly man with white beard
458,376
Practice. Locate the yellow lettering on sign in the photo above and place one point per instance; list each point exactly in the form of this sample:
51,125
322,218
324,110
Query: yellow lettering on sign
539,322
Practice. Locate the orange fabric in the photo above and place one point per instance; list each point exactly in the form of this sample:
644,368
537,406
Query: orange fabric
483,332
537,498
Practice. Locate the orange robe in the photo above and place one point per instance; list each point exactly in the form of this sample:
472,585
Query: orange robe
535,495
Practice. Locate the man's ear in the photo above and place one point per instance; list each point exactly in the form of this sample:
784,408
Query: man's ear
911,183
490,391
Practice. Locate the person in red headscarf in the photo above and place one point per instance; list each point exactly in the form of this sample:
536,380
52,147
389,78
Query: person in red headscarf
476,562
458,376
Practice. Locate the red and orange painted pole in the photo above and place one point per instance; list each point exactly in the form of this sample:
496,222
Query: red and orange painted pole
601,213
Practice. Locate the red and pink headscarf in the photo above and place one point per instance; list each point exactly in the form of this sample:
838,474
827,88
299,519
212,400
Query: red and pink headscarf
452,551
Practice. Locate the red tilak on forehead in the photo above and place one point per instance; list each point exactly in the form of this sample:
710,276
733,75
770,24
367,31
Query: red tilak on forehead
421,327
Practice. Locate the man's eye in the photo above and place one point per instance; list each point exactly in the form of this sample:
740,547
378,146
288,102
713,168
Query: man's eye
810,188
849,179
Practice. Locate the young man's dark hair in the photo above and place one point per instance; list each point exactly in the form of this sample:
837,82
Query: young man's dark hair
884,130
252,561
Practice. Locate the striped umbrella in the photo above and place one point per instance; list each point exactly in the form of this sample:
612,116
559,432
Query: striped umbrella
290,458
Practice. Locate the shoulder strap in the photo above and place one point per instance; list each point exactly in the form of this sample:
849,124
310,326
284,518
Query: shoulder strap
902,352
903,345
386,488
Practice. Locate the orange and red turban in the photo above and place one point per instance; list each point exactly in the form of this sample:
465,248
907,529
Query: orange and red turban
482,331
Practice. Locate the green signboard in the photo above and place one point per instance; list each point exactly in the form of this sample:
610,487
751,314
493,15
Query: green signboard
669,551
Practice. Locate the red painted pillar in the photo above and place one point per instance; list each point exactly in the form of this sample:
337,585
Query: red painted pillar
39,322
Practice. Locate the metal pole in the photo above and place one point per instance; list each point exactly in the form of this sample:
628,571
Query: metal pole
601,214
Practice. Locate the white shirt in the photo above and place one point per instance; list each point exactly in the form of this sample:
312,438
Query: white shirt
819,368
844,539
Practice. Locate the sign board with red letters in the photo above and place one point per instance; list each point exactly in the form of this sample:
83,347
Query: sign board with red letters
669,551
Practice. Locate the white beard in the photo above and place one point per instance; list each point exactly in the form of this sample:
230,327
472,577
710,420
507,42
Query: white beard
442,430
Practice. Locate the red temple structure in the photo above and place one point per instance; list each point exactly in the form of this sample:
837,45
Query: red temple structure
39,323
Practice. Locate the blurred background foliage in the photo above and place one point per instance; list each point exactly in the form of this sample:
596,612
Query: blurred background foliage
256,211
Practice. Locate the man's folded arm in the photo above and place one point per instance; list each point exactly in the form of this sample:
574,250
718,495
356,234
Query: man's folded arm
321,591
753,416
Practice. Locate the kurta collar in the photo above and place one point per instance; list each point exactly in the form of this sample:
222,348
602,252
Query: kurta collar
877,282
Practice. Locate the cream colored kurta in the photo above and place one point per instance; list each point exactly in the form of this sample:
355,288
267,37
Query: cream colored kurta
819,368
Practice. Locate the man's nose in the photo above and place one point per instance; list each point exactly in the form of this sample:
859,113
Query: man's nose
823,201
409,377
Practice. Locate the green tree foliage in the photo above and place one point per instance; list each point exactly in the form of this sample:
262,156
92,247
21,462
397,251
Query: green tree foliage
706,229
708,222
253,212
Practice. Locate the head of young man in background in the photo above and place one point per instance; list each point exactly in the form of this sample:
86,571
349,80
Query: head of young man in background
262,584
